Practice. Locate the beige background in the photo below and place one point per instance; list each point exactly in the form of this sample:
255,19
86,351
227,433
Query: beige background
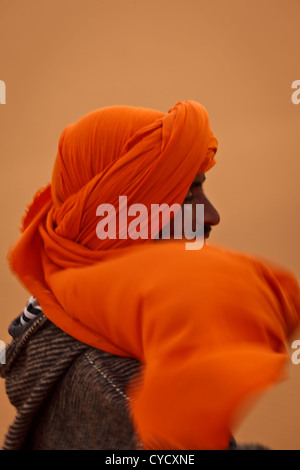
63,58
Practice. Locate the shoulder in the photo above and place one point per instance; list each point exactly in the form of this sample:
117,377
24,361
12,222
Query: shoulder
67,394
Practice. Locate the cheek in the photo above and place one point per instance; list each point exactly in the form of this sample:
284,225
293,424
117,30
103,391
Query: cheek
186,213
194,215
199,199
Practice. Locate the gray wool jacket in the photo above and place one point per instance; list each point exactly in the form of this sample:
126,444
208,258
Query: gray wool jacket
68,395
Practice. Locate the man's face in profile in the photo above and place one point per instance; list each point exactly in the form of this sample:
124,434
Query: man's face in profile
196,196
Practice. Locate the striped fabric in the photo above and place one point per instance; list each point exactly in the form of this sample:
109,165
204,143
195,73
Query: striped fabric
67,395
30,312
48,374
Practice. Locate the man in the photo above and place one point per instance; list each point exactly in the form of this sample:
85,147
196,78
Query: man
142,344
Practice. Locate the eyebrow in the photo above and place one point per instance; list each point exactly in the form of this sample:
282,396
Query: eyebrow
197,181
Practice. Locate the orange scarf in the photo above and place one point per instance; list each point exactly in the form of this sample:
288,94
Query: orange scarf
209,325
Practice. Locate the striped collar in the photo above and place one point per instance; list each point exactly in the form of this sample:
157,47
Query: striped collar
28,315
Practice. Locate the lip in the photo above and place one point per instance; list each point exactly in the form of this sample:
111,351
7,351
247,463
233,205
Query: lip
207,232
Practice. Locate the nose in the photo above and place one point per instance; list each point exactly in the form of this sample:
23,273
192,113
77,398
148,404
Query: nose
211,215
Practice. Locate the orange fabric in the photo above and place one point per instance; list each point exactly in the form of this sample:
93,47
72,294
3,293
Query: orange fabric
209,326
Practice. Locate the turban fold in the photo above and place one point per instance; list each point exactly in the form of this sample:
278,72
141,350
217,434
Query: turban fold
209,326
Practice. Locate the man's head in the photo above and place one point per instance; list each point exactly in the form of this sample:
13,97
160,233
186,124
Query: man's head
148,156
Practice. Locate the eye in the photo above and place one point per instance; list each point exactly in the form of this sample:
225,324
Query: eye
189,196
197,184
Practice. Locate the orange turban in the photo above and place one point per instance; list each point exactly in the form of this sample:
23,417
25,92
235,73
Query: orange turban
209,326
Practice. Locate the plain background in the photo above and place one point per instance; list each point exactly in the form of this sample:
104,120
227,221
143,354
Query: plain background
63,58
